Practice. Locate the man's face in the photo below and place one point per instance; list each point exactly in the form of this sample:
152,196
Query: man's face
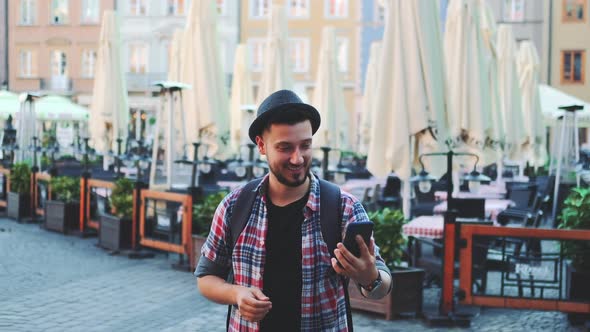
288,151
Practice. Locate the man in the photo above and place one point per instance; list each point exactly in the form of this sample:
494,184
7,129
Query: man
284,277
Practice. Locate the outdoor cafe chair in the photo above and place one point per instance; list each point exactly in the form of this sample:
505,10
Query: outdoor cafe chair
390,196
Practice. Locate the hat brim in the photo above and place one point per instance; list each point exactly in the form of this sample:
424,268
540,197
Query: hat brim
259,123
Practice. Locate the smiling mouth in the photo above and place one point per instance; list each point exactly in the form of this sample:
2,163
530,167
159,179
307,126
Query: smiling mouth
295,169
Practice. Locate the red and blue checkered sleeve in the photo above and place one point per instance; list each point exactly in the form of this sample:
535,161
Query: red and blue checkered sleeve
216,248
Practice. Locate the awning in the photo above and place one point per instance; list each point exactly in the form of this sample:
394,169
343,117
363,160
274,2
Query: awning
57,108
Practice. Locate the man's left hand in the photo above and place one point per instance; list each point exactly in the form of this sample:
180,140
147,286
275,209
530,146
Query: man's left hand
362,269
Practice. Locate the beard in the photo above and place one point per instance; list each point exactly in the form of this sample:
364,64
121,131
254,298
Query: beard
289,178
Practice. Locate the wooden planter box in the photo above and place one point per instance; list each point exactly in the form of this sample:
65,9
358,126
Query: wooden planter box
198,242
18,206
405,296
114,233
578,289
62,217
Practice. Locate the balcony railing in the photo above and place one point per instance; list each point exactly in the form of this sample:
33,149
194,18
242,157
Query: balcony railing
56,84
143,82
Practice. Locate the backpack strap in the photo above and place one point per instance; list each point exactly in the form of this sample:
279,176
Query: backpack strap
330,214
331,223
241,210
238,220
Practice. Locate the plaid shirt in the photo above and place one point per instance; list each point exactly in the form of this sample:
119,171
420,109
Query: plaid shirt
323,306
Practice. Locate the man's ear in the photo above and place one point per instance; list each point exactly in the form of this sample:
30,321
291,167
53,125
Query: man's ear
260,144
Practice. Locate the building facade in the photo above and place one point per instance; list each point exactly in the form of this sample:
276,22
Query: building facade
568,40
53,45
3,44
306,19
527,20
147,29
372,26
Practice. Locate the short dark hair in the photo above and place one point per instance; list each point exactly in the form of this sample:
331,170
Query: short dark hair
290,118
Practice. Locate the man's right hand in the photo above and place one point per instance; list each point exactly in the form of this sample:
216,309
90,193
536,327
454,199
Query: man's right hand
253,305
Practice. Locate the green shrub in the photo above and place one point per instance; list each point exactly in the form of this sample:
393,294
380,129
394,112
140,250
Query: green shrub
387,231
20,178
122,198
65,188
576,215
204,211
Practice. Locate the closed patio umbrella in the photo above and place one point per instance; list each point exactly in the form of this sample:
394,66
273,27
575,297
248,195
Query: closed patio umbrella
174,68
25,127
510,94
109,113
467,78
529,67
276,72
368,103
9,104
328,96
242,96
402,102
206,104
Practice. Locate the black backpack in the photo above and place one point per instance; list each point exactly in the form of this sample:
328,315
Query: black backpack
330,210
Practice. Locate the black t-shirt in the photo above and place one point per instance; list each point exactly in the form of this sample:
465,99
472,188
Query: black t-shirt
282,266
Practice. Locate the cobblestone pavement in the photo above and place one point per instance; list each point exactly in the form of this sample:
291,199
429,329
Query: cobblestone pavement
52,282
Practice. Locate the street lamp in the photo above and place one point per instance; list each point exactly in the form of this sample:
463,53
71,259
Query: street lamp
424,182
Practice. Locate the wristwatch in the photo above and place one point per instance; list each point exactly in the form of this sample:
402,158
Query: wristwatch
376,283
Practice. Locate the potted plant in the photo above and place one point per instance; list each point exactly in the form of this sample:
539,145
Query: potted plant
114,232
575,215
19,197
202,217
62,212
406,292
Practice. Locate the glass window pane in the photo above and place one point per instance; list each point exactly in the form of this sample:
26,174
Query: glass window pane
578,67
59,12
90,11
567,66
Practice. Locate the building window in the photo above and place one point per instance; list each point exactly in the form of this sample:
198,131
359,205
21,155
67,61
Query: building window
342,54
256,46
298,8
299,49
59,12
379,13
573,65
137,7
90,11
176,7
88,62
259,8
336,8
222,7
59,63
138,58
26,63
574,10
514,10
28,12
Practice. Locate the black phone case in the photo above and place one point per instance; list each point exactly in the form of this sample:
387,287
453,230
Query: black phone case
365,229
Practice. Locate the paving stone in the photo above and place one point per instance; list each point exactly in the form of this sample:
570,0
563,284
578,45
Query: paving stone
65,283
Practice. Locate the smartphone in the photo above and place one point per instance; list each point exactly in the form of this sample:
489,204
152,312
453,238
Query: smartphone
362,228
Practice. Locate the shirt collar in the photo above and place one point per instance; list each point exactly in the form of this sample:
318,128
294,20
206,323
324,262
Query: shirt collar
314,191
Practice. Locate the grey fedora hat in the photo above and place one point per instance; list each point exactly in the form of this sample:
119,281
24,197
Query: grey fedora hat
281,101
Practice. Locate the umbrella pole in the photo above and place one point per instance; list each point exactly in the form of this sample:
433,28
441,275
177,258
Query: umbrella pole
156,143
170,140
